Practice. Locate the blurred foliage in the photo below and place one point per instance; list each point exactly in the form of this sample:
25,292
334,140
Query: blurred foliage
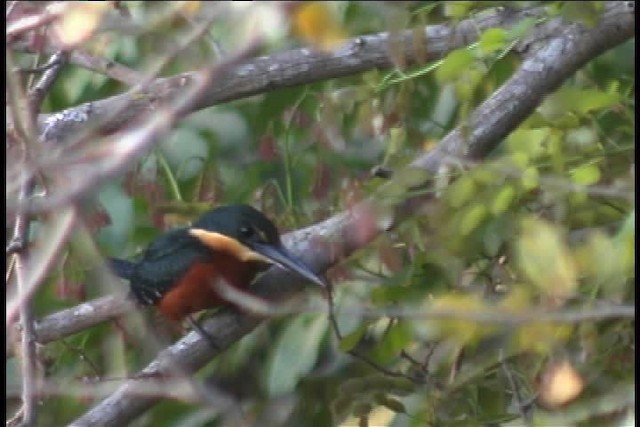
546,222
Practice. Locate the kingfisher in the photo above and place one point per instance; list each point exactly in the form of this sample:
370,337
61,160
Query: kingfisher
178,271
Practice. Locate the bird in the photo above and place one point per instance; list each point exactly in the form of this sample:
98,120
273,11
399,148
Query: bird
178,271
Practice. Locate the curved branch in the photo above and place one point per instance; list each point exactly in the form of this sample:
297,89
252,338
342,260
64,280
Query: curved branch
326,243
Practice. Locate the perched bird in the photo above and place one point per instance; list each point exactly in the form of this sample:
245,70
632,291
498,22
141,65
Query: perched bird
179,270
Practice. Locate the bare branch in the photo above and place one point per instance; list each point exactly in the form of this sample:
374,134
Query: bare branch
51,72
84,59
48,15
73,320
40,262
109,68
27,345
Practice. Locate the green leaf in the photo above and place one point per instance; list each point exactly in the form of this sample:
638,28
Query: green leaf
393,404
625,242
586,13
591,99
453,65
355,386
295,353
461,192
361,409
348,342
586,174
503,199
581,137
602,262
472,218
186,151
400,386
397,136
457,9
468,82
492,40
528,141
581,101
521,28
395,340
530,178
341,407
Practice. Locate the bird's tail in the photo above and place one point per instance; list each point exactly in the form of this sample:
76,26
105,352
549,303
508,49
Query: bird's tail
122,268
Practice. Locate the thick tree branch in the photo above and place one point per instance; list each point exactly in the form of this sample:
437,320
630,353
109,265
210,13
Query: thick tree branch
280,70
326,243
543,72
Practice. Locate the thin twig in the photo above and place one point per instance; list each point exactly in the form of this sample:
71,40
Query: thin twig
15,245
16,420
28,341
42,260
357,354
514,387
85,59
108,67
83,356
37,70
53,67
196,33
10,8
48,15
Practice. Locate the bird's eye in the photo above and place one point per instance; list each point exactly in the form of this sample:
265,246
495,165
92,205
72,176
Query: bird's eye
246,232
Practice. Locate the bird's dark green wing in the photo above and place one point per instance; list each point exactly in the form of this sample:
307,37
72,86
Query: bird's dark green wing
163,264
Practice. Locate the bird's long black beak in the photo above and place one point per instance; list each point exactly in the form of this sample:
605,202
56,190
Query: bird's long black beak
279,255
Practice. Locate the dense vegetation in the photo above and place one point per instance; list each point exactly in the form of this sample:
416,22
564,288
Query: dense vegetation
489,279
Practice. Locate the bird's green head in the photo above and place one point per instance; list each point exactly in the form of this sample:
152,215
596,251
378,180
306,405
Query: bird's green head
248,235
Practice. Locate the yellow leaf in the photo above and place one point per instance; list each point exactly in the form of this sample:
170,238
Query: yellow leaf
540,337
461,330
79,21
545,260
189,7
560,384
518,299
315,23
